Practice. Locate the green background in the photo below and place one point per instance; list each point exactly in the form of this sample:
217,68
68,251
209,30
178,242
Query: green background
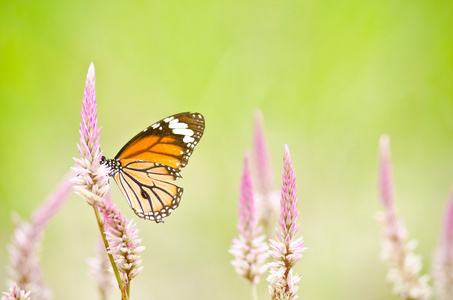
329,76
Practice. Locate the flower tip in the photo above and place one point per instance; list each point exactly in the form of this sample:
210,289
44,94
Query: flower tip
258,116
246,157
90,74
384,144
385,137
286,151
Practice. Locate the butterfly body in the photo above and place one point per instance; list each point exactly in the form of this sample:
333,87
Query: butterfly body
146,166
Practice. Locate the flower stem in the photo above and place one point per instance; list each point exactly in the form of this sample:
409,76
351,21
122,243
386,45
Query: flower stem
254,294
106,244
128,289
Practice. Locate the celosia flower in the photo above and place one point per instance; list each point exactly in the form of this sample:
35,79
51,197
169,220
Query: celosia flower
124,242
249,249
404,265
91,183
122,237
443,259
90,174
26,244
15,293
267,198
286,249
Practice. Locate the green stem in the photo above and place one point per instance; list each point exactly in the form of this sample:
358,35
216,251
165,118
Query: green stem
106,245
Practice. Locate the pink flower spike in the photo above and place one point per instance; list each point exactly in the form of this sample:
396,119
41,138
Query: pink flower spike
288,200
91,183
53,204
246,210
249,249
89,173
124,242
122,237
286,249
267,198
404,264
443,259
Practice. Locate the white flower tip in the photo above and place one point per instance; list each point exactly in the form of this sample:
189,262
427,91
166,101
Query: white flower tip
90,75
246,158
384,144
286,149
385,138
258,117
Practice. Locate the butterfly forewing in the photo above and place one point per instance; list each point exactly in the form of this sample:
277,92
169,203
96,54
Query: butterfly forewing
169,142
153,158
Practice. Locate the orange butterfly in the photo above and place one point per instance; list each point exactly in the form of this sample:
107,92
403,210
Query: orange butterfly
145,166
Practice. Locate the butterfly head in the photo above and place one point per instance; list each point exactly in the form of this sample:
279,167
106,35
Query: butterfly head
113,164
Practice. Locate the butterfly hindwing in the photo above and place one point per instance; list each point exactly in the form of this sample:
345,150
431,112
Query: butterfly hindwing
148,190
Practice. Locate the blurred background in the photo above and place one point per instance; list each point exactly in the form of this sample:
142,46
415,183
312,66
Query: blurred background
330,78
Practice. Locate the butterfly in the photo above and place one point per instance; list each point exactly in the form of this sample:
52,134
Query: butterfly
146,166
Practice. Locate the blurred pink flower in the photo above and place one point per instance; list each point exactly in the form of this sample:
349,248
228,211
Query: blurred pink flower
286,249
16,293
404,265
249,249
267,198
26,244
100,270
443,259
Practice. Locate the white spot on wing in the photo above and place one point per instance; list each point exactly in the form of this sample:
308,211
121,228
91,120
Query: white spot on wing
183,131
178,125
188,139
168,119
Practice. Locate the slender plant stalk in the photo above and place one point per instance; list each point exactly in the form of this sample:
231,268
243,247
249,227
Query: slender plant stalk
254,294
106,244
124,293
